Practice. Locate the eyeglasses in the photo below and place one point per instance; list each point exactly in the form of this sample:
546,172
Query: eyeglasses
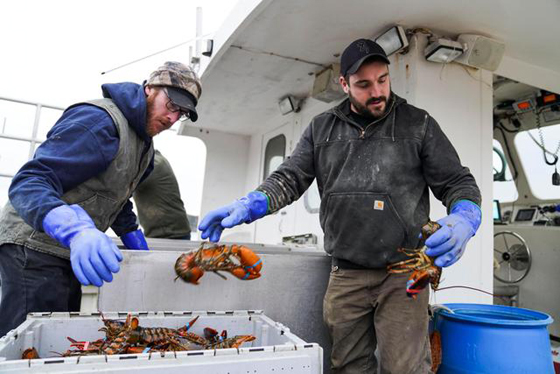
184,115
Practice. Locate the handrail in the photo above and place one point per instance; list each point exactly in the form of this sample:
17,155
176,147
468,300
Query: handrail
30,103
32,139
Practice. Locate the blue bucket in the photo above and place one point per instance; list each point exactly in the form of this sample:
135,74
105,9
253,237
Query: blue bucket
479,338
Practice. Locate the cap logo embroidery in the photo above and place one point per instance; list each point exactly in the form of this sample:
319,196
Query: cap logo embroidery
363,47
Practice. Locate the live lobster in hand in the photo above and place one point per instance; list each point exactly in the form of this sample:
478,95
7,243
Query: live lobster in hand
239,260
421,265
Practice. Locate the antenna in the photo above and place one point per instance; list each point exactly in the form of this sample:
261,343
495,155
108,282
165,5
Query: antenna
193,60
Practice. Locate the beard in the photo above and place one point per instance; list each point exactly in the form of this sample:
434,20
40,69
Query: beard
364,110
152,120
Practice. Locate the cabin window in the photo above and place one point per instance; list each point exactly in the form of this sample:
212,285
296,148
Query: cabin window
190,175
274,154
539,174
504,186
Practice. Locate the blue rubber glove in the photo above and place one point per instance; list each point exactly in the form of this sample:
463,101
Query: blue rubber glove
93,255
448,243
135,240
245,210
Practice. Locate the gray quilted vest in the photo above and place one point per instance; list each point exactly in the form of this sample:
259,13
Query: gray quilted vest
102,196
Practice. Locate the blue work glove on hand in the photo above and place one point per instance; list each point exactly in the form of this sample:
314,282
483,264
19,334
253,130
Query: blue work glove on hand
448,243
93,255
135,240
244,210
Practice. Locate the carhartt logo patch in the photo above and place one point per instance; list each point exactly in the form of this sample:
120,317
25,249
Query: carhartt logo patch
378,205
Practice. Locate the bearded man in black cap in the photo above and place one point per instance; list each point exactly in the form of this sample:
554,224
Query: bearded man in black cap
79,184
374,157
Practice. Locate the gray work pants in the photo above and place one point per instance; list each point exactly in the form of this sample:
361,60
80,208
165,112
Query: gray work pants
369,309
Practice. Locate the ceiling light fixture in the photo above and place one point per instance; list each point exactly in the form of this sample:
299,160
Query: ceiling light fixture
393,40
288,104
443,50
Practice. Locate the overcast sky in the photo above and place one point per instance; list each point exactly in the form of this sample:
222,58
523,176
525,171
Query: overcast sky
53,52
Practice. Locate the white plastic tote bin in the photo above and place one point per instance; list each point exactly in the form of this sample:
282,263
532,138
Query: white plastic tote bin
275,350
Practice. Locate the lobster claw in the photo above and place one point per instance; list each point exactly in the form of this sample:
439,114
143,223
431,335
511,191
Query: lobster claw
251,263
244,274
249,259
240,339
417,281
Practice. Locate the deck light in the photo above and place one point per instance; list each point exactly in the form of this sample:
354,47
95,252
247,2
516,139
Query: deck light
288,104
393,40
209,48
443,50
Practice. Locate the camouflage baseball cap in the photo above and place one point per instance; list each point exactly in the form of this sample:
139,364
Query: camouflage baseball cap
184,87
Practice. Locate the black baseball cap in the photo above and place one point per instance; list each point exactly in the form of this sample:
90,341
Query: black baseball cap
357,52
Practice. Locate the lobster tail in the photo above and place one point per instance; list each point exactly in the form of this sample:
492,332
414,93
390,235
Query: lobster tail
186,271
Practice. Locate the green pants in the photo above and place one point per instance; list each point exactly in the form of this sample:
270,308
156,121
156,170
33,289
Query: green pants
369,309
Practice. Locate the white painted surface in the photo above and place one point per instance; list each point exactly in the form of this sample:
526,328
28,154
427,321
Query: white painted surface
460,100
273,227
226,168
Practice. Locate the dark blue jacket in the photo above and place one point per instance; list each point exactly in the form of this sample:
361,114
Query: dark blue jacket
81,144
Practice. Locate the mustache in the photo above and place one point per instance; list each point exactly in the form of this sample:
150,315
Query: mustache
374,99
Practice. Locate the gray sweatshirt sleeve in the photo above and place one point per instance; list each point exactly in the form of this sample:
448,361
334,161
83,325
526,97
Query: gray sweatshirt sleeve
447,178
293,177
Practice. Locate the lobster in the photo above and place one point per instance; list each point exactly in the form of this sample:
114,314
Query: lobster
131,334
239,260
421,265
30,354
129,337
234,342
83,348
195,338
212,340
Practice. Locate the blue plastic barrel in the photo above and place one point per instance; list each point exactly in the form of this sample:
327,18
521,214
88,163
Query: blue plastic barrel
479,338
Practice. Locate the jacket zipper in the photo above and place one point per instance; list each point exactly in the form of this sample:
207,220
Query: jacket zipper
363,130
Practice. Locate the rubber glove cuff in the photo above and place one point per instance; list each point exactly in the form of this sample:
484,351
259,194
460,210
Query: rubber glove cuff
63,223
470,212
135,240
256,203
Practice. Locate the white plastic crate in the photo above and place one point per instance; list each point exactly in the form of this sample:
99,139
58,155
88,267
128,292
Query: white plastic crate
275,350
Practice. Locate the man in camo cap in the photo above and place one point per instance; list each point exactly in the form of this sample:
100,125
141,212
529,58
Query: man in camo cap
79,184
181,85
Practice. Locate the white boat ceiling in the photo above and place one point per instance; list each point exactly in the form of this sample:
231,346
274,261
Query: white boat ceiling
282,43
